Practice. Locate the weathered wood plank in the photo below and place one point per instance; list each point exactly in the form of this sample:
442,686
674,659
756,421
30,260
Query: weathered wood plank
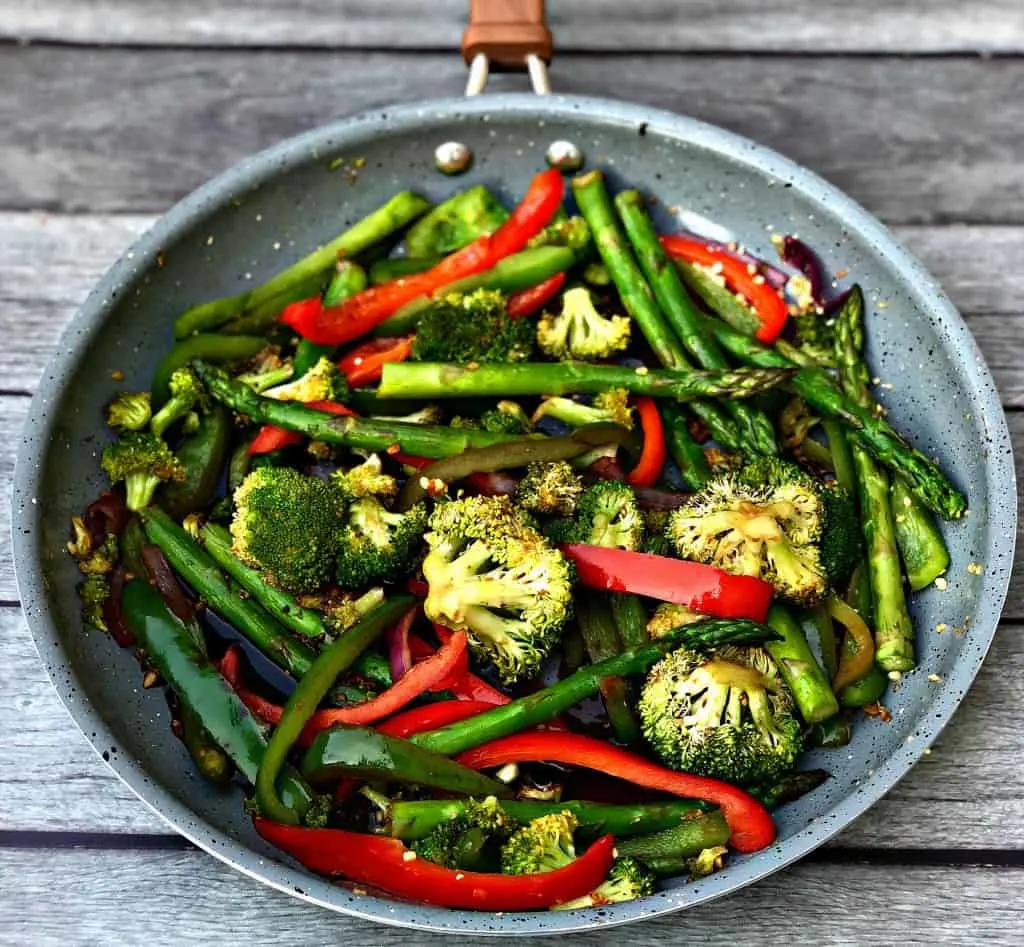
749,25
81,134
102,892
965,794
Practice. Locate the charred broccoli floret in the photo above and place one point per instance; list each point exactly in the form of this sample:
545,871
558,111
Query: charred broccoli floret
766,520
607,514
287,526
187,394
544,844
842,541
323,382
571,232
726,714
579,331
472,840
94,592
627,880
129,411
472,327
506,418
92,558
377,545
492,574
340,610
551,489
668,617
706,862
143,461
365,480
609,407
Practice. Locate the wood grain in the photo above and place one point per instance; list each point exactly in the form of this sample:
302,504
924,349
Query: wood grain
139,897
814,26
914,141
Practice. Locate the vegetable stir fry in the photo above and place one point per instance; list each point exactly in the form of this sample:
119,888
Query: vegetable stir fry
509,559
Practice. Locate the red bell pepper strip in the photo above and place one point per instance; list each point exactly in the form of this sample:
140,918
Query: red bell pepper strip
751,825
528,301
386,863
432,717
360,313
364,364
468,686
694,584
271,438
652,456
767,303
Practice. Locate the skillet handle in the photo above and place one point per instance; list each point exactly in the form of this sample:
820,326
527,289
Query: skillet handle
508,35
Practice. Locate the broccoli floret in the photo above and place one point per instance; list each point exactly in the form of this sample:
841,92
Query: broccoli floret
341,611
323,382
377,545
267,369
607,515
842,540
627,880
506,418
471,840
726,714
571,232
668,617
766,520
552,489
706,862
580,331
94,592
472,327
365,480
545,844
490,573
143,461
609,407
129,411
92,559
187,394
431,415
287,526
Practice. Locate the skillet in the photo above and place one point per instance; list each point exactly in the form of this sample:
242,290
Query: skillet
300,193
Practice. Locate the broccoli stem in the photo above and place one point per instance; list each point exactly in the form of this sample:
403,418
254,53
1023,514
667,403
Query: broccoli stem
586,682
419,439
442,380
800,669
757,433
687,454
601,637
894,631
201,573
403,208
818,389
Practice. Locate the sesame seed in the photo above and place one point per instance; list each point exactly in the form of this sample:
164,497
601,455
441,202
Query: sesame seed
906,501
881,304
409,856
895,676
751,269
117,375
941,627
935,678
717,268
459,876
975,568
358,360
758,280
277,244
642,370
840,274
424,482
927,751
941,584
359,891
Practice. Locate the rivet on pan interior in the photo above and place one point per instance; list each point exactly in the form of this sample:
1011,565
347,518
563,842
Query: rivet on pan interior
564,155
453,157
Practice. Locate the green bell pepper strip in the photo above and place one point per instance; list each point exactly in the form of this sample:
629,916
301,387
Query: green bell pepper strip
200,687
455,222
387,270
211,760
363,753
195,566
403,208
310,691
209,347
202,455
868,690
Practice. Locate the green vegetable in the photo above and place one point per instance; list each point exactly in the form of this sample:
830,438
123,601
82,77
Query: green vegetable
630,617
323,382
376,544
579,331
550,489
627,880
607,407
685,452
545,844
607,515
260,320
349,278
471,839
202,456
129,411
93,591
211,761
922,548
541,706
868,690
666,852
725,714
210,348
310,691
472,328
143,461
392,268
718,298
800,669
458,221
494,576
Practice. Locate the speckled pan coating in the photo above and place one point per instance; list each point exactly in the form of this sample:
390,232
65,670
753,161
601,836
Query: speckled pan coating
277,206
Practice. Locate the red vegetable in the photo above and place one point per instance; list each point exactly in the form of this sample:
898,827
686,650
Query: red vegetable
383,863
364,364
652,456
797,254
432,716
751,825
528,301
466,687
272,438
360,313
694,584
767,302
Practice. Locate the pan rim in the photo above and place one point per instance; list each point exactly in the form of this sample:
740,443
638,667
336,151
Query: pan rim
1000,483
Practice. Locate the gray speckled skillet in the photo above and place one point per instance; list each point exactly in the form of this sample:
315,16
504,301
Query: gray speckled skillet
277,206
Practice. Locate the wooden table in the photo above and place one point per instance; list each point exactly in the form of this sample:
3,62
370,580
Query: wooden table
110,110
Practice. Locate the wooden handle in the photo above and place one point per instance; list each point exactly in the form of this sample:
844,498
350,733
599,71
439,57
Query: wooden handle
506,32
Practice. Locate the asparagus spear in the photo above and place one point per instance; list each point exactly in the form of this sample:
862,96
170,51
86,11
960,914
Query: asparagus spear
441,380
894,631
395,214
800,669
757,434
819,390
596,207
685,451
